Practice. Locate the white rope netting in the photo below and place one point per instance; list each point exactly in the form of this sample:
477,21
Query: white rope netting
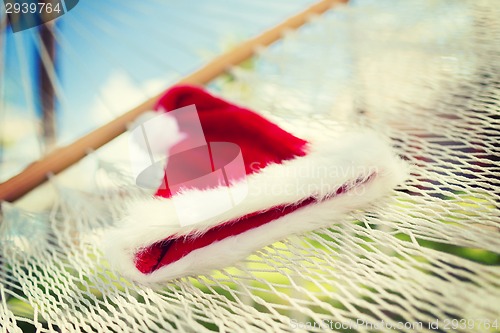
424,73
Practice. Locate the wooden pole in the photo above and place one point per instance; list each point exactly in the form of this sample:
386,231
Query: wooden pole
62,158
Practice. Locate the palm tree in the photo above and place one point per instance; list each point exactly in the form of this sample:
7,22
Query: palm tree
46,89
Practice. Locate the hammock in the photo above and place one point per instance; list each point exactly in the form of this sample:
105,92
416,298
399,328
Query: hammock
423,73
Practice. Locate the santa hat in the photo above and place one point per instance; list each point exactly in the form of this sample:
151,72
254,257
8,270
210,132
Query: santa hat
243,184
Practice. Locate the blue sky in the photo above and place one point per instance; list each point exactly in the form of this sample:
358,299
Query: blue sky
114,54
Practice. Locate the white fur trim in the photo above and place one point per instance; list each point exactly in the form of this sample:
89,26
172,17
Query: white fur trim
330,162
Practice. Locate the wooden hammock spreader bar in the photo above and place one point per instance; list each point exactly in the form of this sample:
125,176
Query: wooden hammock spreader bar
63,157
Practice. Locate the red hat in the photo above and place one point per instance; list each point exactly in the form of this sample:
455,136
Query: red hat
277,183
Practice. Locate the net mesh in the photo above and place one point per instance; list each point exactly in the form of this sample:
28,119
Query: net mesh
424,73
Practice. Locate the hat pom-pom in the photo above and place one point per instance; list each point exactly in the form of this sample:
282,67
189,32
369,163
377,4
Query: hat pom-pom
155,132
